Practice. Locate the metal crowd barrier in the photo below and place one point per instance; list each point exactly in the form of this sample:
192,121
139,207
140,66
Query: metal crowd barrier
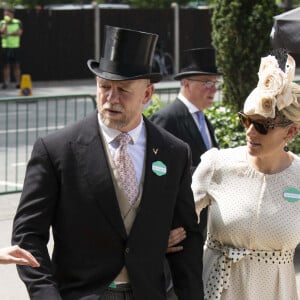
24,119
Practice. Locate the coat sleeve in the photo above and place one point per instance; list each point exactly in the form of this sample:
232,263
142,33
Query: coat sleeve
186,266
32,223
202,178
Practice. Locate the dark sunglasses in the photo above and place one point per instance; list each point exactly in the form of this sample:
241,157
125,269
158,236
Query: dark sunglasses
261,127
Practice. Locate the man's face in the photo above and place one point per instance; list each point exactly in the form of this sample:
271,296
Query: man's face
196,91
120,103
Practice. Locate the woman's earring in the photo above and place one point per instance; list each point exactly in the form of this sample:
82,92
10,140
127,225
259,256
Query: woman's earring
286,148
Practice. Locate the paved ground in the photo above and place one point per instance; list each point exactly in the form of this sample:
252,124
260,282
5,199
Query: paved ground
84,86
54,87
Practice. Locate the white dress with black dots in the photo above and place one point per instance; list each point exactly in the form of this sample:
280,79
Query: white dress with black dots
253,227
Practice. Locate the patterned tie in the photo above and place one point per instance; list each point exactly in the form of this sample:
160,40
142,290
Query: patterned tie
203,128
125,168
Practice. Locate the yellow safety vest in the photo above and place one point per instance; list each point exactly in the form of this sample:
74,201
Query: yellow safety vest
11,41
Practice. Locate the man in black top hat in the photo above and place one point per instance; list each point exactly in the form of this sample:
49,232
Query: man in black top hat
110,204
199,83
184,117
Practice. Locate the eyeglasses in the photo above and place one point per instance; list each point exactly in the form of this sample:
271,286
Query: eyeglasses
261,127
209,84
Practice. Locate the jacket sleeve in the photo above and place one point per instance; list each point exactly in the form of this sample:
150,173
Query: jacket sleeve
186,265
33,220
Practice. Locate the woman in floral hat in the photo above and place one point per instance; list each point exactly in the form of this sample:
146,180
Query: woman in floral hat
253,193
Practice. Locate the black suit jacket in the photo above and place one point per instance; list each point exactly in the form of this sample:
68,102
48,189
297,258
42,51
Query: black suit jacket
68,186
176,119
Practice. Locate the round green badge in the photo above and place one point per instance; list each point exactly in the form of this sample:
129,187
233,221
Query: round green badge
291,194
159,168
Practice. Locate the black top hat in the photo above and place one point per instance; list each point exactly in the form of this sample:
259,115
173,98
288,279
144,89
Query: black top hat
198,61
128,54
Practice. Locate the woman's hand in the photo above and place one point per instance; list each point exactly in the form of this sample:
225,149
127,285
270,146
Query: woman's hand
176,236
17,255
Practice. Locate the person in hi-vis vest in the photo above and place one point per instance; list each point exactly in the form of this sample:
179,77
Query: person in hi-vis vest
11,30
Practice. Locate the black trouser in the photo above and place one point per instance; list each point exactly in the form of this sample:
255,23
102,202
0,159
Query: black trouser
120,292
124,292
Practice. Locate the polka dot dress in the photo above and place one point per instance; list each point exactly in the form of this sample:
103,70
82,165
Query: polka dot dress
253,227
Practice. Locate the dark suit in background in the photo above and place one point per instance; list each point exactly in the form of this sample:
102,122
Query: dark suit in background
198,76
176,119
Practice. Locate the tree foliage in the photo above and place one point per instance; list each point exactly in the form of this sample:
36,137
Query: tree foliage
241,36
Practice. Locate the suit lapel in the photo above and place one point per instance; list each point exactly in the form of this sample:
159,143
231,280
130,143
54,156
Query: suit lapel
156,151
92,160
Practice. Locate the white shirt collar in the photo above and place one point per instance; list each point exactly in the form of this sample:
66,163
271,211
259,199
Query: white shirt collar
190,106
110,134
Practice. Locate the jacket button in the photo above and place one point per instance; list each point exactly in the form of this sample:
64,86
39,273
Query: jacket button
127,250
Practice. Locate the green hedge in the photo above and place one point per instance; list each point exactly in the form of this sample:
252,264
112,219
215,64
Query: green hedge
228,130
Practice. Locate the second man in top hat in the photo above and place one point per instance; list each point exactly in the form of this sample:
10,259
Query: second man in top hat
111,186
184,117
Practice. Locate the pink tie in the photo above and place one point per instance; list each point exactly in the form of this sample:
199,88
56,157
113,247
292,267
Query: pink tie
125,168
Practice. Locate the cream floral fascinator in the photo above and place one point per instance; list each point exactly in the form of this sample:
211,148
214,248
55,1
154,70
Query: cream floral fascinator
275,86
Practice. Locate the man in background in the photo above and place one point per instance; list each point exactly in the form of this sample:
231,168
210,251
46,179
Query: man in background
184,117
11,30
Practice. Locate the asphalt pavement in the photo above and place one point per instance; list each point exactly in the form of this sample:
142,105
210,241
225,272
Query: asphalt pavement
68,87
11,287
